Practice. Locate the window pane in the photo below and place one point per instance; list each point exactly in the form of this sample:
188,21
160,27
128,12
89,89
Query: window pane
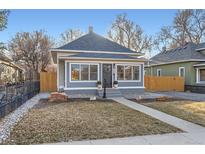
182,72
93,72
75,72
158,72
120,72
128,72
84,72
202,74
136,72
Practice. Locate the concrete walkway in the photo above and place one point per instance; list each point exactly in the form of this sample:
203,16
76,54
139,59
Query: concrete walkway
194,134
166,139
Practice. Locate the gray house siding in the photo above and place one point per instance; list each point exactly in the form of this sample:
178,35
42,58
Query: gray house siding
61,73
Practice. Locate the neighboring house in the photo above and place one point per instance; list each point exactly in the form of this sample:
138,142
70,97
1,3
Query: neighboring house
91,58
9,72
187,61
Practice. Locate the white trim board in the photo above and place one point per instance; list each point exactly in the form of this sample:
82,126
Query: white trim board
95,88
87,51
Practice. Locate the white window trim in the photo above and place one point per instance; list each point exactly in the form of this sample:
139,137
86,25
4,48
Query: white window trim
159,70
132,72
198,75
70,75
180,71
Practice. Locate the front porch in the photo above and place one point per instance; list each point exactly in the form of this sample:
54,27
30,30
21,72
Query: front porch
79,77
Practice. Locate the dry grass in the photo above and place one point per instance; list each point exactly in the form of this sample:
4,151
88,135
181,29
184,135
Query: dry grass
81,120
187,110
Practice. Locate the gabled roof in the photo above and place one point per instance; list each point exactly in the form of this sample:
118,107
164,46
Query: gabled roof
95,42
184,53
104,56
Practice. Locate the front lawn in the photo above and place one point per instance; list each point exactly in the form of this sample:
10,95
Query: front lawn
187,110
83,120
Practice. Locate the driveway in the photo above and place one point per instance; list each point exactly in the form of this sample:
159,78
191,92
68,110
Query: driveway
184,95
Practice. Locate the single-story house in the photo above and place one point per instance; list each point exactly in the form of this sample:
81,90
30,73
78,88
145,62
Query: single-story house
187,61
92,59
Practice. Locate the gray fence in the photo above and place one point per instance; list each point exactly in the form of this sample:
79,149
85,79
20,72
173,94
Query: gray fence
14,95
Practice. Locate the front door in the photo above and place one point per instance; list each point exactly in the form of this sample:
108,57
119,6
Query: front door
107,75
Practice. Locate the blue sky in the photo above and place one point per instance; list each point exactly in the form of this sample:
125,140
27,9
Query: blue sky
57,21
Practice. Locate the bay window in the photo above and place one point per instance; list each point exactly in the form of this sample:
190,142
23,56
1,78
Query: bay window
128,72
84,72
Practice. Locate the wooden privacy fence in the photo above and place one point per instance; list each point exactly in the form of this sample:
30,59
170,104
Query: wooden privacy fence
48,81
164,83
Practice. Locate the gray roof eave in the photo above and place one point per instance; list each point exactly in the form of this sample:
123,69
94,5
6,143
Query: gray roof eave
188,60
121,59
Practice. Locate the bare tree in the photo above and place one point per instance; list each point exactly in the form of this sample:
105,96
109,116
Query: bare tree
31,50
70,35
127,33
3,23
187,26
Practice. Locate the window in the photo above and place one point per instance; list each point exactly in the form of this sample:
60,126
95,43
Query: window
120,72
202,75
181,71
159,72
93,72
75,72
136,72
84,72
128,72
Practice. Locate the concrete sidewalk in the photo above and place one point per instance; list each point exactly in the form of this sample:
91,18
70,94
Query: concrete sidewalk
165,139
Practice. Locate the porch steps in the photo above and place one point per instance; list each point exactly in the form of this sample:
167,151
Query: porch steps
110,93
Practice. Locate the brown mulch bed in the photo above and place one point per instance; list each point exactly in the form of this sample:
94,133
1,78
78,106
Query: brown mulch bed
78,119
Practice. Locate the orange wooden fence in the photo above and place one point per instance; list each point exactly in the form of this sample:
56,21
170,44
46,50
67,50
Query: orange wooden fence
164,83
48,81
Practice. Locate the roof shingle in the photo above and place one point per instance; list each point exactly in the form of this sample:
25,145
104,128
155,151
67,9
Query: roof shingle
94,42
186,52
